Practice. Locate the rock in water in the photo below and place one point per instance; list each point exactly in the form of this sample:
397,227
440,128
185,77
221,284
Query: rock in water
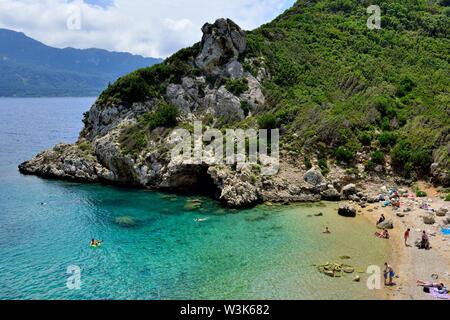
346,210
320,214
126,221
386,224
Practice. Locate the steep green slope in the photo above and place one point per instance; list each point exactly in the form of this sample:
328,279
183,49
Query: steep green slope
336,87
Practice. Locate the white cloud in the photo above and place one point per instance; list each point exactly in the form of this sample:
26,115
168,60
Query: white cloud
148,27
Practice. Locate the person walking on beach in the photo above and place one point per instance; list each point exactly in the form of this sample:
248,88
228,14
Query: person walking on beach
406,236
388,274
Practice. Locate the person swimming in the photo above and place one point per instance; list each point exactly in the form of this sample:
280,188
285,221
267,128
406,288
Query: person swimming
200,219
95,243
327,231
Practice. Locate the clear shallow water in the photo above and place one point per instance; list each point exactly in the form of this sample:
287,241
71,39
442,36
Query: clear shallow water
260,253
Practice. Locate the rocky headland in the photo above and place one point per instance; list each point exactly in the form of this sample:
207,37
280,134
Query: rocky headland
222,82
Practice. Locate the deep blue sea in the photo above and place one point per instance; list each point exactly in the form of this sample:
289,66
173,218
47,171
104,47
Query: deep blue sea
267,252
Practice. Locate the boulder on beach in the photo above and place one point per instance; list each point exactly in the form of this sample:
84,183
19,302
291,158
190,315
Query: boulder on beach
442,212
447,220
349,189
331,194
347,210
314,177
429,219
386,224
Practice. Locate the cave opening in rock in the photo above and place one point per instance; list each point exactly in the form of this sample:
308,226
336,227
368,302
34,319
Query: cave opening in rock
194,180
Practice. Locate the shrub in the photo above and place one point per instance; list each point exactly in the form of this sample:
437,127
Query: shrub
377,157
365,138
165,115
406,85
245,107
267,121
237,86
387,139
411,159
421,194
323,165
307,163
344,154
131,88
447,198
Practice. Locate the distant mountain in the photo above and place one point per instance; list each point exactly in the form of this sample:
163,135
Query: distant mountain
30,68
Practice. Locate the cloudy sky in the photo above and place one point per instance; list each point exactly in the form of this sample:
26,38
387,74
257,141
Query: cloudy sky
153,28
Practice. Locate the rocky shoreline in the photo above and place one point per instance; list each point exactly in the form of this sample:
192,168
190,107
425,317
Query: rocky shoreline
100,156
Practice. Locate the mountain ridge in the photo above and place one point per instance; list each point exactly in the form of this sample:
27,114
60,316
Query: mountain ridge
32,68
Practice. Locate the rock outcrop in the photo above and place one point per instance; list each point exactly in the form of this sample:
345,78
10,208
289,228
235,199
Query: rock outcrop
222,44
346,210
386,224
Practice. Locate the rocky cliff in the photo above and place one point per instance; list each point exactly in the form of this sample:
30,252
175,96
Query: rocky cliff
230,79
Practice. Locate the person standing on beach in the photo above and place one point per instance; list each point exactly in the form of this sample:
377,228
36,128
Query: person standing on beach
388,273
406,236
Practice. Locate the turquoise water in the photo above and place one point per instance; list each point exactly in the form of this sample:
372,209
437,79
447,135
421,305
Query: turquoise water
260,253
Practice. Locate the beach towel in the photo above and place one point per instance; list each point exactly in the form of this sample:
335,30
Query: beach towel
445,232
435,293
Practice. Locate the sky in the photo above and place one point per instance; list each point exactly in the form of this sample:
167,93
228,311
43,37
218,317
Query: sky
152,28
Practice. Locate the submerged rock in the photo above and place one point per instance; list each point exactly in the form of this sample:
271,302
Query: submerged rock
333,269
125,221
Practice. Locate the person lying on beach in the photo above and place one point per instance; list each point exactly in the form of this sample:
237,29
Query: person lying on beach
442,289
383,234
327,231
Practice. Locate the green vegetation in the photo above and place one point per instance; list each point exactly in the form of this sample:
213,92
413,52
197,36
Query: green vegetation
307,163
323,165
237,86
377,157
335,85
335,81
267,121
135,138
344,154
420,193
152,81
447,197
